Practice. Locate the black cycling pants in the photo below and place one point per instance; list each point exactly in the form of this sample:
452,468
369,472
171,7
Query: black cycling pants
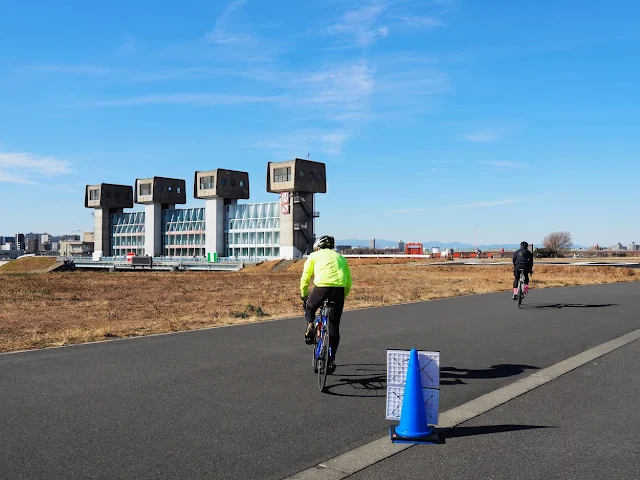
317,296
516,275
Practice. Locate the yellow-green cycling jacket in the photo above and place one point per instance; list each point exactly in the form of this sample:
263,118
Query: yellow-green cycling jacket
329,268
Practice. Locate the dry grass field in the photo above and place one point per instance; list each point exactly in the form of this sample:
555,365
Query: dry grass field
63,308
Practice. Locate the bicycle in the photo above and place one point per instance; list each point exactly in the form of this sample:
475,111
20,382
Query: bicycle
322,343
521,284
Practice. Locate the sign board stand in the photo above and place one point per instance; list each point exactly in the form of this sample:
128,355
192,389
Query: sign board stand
413,395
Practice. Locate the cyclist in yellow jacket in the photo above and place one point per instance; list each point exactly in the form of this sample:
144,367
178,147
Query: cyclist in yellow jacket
332,281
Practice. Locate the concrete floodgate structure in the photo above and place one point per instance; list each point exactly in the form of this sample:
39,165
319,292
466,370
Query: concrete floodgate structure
221,231
109,201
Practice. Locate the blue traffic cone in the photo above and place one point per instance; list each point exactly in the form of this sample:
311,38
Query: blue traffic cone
413,426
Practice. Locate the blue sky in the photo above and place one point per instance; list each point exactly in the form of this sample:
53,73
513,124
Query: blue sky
432,116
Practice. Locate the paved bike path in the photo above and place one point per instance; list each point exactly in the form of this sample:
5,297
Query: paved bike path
242,402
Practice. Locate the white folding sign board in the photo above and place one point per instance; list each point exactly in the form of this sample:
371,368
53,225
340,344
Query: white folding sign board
397,367
398,364
431,398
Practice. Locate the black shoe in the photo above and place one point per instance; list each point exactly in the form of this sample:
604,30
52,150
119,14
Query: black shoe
309,334
331,367
515,297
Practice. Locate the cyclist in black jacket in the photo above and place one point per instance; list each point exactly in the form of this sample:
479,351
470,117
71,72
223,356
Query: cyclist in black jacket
522,259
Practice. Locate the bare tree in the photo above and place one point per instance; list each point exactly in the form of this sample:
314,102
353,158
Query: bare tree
558,243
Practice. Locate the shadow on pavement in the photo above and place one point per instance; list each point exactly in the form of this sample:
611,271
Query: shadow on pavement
455,376
566,305
358,380
370,380
459,432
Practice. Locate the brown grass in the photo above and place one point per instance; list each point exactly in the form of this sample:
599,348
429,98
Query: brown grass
30,265
63,308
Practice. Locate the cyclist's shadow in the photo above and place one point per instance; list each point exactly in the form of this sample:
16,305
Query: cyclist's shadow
370,380
358,380
456,376
557,306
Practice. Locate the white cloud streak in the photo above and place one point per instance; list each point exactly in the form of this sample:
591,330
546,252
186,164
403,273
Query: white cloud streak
90,70
200,100
362,25
302,142
482,137
506,165
507,201
13,178
18,167
220,34
343,89
495,203
422,22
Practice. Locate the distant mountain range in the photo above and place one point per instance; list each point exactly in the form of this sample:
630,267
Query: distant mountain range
381,244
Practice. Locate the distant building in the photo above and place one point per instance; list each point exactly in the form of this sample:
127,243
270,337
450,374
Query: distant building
75,248
414,249
633,247
372,244
343,248
32,245
70,238
401,246
88,237
5,247
45,242
19,241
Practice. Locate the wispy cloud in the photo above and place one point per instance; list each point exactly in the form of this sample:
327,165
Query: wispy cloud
91,70
413,82
20,167
305,142
193,99
408,210
483,137
488,131
446,5
129,45
334,142
221,35
506,165
361,25
67,188
342,90
422,22
494,203
13,178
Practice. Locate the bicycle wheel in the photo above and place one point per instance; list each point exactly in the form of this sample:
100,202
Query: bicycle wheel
520,294
323,359
314,359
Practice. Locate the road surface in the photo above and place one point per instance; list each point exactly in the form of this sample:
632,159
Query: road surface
242,401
